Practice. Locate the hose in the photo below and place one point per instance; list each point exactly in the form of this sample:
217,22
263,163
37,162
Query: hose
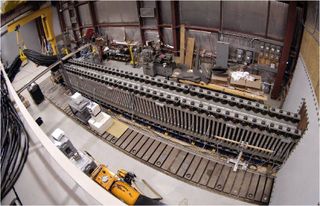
14,68
14,142
40,59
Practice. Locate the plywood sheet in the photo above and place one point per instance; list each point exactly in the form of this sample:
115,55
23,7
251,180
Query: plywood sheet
182,43
117,128
189,53
310,53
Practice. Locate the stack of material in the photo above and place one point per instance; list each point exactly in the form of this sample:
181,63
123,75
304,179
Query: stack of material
14,68
39,58
244,79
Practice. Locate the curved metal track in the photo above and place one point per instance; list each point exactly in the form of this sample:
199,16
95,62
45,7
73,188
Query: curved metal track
196,119
184,164
235,102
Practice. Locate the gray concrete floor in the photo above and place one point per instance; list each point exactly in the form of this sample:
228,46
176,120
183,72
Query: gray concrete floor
44,182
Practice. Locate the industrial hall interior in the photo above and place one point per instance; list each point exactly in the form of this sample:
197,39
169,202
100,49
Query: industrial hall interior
160,102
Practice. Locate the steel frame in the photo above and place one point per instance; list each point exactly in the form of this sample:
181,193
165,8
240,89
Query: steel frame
184,116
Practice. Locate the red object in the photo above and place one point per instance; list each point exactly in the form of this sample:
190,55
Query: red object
89,33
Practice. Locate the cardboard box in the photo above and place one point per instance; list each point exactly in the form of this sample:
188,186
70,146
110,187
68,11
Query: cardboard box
240,83
256,84
219,79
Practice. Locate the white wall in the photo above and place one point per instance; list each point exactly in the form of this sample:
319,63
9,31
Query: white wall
297,181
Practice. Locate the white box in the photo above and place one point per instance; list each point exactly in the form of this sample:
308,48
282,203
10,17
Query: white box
100,123
93,108
57,134
77,98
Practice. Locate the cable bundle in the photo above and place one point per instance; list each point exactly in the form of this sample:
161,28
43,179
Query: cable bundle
39,58
14,68
14,142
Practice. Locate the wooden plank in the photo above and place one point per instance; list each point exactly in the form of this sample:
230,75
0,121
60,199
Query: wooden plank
193,167
178,161
182,43
109,137
261,184
150,150
157,153
229,183
145,147
267,190
253,186
117,128
163,156
66,108
104,135
223,178
123,137
207,173
113,139
245,184
237,183
310,53
138,146
185,165
200,170
134,142
172,156
189,53
236,92
215,175
128,140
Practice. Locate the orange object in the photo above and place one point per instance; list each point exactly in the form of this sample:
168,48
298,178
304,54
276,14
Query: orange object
114,184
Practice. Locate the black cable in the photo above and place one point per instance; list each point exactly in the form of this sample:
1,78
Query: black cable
14,142
14,68
16,199
39,58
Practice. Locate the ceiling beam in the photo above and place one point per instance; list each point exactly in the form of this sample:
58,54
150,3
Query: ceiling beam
61,18
93,16
267,22
291,23
175,22
158,18
139,5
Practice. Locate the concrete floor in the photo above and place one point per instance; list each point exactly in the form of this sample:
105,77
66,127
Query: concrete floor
49,184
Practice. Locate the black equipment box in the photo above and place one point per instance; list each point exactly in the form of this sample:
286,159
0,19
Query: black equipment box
36,93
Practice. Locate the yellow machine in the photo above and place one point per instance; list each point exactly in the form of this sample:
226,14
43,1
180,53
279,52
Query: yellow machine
21,46
133,54
7,6
116,184
46,18
132,61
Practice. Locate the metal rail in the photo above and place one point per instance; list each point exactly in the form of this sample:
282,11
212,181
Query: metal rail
184,164
195,121
195,91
